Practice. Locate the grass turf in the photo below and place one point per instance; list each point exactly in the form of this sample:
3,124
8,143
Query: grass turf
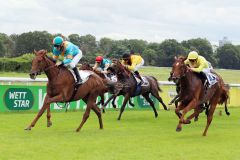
137,136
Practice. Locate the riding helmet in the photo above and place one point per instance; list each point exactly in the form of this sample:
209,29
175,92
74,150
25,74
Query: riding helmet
99,59
193,55
57,40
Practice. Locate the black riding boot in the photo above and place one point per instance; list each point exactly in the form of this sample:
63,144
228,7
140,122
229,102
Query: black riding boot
138,76
204,80
79,79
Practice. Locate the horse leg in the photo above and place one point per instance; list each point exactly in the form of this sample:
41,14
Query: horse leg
109,99
130,102
178,113
155,94
113,103
195,114
98,113
146,96
190,105
41,111
126,98
210,116
101,102
49,122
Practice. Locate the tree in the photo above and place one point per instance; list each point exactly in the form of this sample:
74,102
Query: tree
8,44
167,50
105,46
75,39
149,56
228,57
27,42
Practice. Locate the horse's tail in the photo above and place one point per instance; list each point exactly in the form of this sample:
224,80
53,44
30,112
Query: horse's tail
156,81
224,97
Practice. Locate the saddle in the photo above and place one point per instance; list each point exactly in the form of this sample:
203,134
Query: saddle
84,74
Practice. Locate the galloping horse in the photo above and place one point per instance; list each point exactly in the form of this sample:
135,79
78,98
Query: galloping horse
129,86
61,86
86,66
193,94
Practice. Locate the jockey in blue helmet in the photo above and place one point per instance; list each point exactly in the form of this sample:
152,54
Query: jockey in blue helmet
71,53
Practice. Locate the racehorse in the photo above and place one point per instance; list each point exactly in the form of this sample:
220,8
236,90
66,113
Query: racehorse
193,94
129,86
86,66
61,86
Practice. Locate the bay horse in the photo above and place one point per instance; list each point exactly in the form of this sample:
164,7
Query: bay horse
193,94
129,86
86,66
61,86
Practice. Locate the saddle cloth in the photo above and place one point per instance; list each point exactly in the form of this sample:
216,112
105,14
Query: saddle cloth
212,79
145,81
84,74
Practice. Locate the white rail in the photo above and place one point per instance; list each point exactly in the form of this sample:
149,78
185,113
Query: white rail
19,79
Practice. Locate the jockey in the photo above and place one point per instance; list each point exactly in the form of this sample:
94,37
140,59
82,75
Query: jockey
71,53
200,65
133,63
102,64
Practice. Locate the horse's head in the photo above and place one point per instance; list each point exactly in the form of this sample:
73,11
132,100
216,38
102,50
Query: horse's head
178,69
38,63
117,68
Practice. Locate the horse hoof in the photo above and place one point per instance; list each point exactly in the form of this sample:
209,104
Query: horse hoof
77,130
49,124
178,129
156,115
195,119
187,121
28,129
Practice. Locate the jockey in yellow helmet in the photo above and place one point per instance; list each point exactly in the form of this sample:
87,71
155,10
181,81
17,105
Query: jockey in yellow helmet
199,64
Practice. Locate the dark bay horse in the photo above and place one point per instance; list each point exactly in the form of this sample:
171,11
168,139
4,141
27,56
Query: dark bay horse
192,94
61,86
86,66
129,86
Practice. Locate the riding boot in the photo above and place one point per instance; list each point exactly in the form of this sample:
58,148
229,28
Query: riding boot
139,77
204,80
79,79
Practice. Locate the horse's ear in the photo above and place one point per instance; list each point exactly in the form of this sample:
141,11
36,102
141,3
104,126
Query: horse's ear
45,51
35,52
175,57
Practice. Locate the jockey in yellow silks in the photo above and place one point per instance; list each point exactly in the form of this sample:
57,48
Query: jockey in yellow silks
199,64
133,63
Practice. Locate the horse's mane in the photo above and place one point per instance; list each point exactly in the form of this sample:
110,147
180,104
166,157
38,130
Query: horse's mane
51,59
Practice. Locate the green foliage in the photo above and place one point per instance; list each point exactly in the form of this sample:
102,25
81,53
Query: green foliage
228,57
17,64
27,42
156,54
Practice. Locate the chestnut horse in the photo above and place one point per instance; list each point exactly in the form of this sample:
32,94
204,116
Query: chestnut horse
86,66
61,86
129,86
193,94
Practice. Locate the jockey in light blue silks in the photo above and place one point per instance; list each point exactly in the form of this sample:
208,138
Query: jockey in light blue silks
71,53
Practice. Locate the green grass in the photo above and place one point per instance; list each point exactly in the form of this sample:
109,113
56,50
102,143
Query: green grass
161,73
138,136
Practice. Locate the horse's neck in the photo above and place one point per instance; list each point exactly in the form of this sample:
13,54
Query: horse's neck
186,82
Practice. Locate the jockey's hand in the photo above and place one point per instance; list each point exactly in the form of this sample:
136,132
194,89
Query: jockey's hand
189,69
59,63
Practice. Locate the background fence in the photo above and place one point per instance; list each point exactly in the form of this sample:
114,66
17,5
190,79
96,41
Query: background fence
26,96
